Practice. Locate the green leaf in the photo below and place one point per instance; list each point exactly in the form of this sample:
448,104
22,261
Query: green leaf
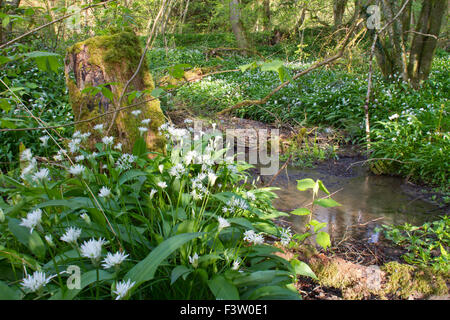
140,147
322,187
302,269
323,239
301,212
273,65
179,271
130,175
327,203
8,293
156,92
145,269
248,66
46,61
223,289
305,184
33,241
273,293
5,105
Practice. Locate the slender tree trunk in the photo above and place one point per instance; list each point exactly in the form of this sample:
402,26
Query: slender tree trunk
338,12
183,19
236,25
425,40
266,20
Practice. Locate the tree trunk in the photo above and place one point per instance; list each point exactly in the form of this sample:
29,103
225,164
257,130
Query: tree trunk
183,19
425,40
236,25
338,12
112,59
266,20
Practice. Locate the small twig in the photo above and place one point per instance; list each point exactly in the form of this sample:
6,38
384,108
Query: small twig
279,171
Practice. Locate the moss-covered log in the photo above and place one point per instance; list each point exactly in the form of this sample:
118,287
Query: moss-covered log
110,61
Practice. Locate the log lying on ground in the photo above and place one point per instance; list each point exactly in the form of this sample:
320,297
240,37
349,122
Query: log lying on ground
110,61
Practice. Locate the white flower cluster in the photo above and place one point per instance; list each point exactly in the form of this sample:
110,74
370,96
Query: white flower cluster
36,281
125,161
177,170
235,204
252,237
32,220
286,236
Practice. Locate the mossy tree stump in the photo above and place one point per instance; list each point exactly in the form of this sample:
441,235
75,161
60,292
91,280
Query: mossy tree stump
110,61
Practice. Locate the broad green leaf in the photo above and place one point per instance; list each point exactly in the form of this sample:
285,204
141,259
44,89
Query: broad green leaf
223,289
179,271
145,269
327,203
8,293
272,293
305,184
130,175
301,212
248,66
302,269
33,241
273,65
140,147
323,239
46,61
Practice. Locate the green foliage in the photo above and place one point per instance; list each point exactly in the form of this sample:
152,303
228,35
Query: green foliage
189,225
427,245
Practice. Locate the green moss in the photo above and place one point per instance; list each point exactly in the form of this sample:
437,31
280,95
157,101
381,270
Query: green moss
406,280
118,56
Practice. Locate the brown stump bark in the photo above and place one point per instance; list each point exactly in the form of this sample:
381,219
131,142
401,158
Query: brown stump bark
110,61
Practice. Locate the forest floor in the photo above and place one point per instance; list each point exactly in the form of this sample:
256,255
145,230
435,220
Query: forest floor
352,268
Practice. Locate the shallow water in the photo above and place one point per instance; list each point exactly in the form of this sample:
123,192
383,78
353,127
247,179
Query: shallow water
364,198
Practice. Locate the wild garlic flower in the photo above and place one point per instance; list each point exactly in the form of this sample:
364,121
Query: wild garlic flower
136,112
118,146
194,260
152,193
92,249
79,158
161,168
177,171
49,240
108,140
162,184
236,265
393,117
286,236
188,121
146,121
122,288
60,155
190,157
71,235
76,169
44,140
235,204
223,223
105,192
41,175
26,155
36,281
85,135
74,145
113,260
99,127
125,161
253,237
85,217
212,177
33,219
142,129
29,169
250,196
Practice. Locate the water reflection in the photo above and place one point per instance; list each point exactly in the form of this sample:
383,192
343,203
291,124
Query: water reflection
364,197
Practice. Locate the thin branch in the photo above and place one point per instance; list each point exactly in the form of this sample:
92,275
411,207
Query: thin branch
50,23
